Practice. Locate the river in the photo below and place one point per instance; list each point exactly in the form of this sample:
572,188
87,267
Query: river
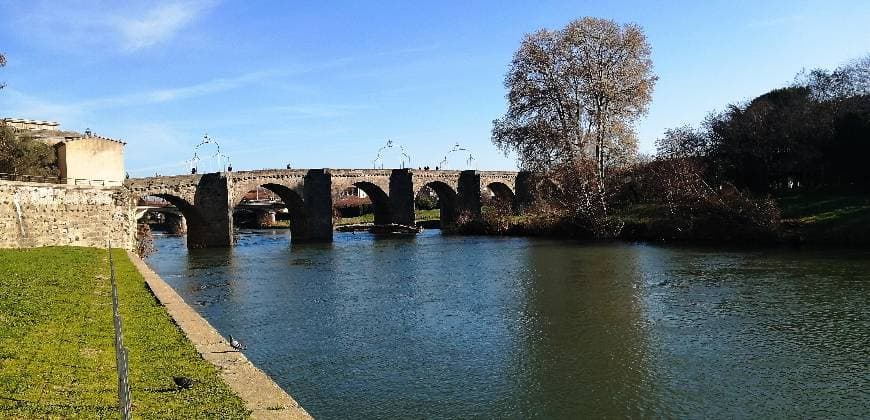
491,327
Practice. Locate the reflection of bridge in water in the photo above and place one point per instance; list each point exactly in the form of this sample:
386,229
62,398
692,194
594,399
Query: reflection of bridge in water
207,201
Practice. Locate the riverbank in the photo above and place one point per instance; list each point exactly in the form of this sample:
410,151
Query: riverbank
262,396
812,219
805,218
57,355
420,216
826,218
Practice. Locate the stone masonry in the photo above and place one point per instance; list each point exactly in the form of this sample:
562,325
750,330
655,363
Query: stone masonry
207,201
36,214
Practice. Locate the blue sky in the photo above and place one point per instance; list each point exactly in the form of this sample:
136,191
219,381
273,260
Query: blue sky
325,84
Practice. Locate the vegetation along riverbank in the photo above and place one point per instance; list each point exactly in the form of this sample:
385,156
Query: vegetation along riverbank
57,356
785,166
795,218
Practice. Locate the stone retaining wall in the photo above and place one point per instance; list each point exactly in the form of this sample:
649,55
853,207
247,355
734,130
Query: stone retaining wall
36,214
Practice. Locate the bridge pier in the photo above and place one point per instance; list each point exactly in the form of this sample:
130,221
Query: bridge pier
212,224
317,201
266,218
176,223
402,197
468,194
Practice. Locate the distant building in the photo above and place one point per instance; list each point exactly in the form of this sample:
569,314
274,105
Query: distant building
260,194
47,132
90,159
353,191
82,158
31,125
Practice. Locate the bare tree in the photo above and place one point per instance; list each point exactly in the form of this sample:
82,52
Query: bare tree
683,141
849,80
621,147
2,63
574,93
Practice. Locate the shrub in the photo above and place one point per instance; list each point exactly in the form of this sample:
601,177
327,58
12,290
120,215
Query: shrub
21,154
681,205
144,240
425,202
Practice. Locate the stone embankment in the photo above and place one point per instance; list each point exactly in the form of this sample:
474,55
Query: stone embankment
261,394
37,214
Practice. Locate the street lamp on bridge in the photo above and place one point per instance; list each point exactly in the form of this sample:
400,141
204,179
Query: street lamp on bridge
457,148
390,144
221,159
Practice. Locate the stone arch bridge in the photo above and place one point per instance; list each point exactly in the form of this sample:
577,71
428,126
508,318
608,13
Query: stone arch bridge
207,200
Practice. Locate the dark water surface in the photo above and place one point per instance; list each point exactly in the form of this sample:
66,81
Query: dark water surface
482,327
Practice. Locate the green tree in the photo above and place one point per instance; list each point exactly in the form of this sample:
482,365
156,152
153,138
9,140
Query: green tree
772,142
22,155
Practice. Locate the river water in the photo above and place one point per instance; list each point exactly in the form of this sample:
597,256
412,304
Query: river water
489,327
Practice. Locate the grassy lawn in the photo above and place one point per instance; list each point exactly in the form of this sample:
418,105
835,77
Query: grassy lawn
366,218
57,357
821,207
433,214
827,217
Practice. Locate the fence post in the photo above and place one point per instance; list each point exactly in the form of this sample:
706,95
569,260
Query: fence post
125,400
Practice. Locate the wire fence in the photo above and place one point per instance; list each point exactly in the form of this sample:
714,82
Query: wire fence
125,400
58,180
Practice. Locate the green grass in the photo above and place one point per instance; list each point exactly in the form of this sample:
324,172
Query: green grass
827,217
366,218
57,356
433,214
824,207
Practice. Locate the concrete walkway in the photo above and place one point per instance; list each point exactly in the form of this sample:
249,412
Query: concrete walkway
261,394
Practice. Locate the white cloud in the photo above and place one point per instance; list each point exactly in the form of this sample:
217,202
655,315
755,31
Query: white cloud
21,105
86,26
34,106
204,88
158,25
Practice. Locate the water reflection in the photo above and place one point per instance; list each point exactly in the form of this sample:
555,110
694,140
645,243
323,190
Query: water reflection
462,327
584,333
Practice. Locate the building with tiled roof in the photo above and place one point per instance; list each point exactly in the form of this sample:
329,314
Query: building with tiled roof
81,157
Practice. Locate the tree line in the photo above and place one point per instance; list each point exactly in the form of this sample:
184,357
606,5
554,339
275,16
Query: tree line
573,96
812,134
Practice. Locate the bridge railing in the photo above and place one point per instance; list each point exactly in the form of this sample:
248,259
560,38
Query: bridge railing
58,180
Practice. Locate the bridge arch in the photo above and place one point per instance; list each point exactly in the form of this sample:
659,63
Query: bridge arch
292,201
501,195
447,201
190,222
181,204
501,191
380,201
